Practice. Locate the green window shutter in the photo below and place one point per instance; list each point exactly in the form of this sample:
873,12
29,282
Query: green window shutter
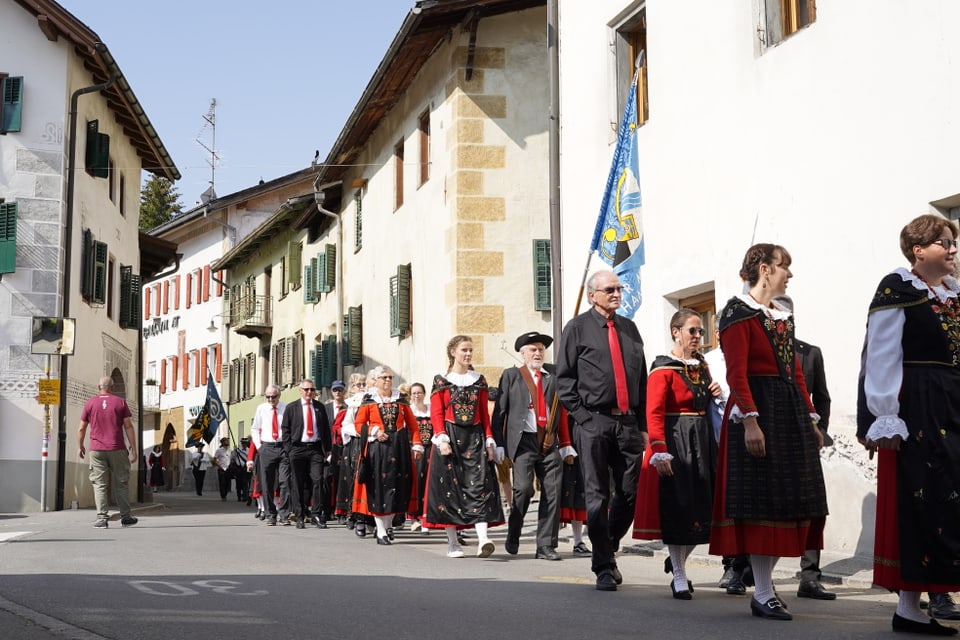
12,107
294,262
394,306
8,237
345,345
97,158
320,275
358,222
312,367
99,273
330,276
309,296
86,249
355,316
129,298
328,361
542,281
403,298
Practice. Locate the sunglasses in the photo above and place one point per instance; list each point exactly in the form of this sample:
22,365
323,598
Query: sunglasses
308,389
271,397
946,243
695,331
611,290
385,378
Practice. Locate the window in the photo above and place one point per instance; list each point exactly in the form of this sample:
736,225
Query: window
358,221
400,302
129,298
111,176
11,105
8,237
123,194
353,336
97,156
704,304
93,265
398,168
424,129
631,50
786,17
542,280
110,283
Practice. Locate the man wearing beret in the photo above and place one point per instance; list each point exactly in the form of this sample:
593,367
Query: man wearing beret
525,423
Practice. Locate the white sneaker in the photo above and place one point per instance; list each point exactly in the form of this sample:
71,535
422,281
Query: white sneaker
415,526
455,551
485,549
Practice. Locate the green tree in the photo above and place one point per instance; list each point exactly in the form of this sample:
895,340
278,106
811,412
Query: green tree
159,202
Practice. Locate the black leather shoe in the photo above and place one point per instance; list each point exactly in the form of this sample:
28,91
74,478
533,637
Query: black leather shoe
668,565
681,595
932,628
271,521
361,532
384,540
390,533
736,587
728,573
512,546
772,609
605,581
318,523
813,589
943,607
300,524
617,576
546,553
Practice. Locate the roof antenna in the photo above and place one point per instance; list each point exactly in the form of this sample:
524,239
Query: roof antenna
210,123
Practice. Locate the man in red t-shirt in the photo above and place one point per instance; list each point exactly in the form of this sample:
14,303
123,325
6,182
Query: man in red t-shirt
108,417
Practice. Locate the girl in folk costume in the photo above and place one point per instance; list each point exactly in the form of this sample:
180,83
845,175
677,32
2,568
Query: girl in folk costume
385,415
421,412
770,500
675,491
156,467
462,485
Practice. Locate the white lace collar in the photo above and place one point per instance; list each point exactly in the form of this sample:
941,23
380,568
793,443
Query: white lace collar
949,288
376,397
776,311
687,361
462,379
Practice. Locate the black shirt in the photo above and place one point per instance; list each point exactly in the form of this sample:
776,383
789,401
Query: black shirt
585,371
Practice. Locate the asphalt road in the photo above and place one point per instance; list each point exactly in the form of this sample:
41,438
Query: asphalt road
201,568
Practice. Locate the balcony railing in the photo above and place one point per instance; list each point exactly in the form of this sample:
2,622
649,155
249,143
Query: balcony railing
151,397
251,316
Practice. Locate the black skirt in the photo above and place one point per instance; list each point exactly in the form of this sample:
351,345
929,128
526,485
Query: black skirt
462,487
347,470
686,497
391,465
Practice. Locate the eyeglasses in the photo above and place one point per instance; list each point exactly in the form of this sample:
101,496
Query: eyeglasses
946,243
308,389
611,290
695,331
385,378
271,397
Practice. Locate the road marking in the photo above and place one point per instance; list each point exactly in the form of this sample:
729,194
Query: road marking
10,535
165,588
58,628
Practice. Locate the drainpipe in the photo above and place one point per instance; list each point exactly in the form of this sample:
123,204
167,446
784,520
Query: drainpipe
553,55
319,195
67,257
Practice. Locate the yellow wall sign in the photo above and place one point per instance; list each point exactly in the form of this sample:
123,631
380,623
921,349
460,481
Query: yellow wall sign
49,391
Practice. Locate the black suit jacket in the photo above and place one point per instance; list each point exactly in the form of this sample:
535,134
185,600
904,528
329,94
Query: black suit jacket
513,405
811,361
292,426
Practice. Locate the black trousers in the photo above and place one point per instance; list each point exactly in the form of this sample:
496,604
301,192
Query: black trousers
223,479
198,477
273,463
307,484
611,450
528,463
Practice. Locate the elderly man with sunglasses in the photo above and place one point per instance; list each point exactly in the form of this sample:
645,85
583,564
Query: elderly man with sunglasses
602,382
307,442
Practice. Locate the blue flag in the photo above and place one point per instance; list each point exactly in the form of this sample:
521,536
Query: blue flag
618,236
208,420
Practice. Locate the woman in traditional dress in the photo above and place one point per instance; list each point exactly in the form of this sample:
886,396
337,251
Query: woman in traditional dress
675,491
393,434
911,415
343,424
770,499
462,485
421,411
156,467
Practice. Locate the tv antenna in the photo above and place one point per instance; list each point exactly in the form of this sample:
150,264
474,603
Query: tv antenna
210,122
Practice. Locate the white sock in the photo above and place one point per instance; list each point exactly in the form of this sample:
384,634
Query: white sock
577,528
763,576
908,606
481,528
382,523
678,556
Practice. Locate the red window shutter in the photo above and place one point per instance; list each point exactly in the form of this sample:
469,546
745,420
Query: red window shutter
176,292
219,283
186,372
163,376
216,370
206,283
174,370
146,303
166,297
203,363
189,289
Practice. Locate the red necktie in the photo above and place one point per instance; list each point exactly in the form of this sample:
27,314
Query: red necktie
619,373
276,425
309,420
541,402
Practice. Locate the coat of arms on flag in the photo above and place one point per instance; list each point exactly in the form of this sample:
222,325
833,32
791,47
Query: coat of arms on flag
207,422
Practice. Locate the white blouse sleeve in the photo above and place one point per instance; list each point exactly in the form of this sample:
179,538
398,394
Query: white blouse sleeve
884,373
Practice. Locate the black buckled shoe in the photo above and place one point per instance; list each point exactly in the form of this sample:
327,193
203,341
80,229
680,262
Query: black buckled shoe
772,609
932,628
813,589
680,595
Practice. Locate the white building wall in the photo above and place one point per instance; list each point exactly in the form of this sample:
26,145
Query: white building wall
827,143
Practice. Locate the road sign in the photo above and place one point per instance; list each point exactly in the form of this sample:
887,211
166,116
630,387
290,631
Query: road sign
49,391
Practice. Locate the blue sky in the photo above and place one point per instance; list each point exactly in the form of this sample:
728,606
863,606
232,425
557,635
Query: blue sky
286,75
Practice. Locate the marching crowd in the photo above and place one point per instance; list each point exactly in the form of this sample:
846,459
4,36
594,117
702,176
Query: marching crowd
720,450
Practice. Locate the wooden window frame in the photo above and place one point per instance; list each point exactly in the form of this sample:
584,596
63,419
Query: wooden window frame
705,304
423,131
398,153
